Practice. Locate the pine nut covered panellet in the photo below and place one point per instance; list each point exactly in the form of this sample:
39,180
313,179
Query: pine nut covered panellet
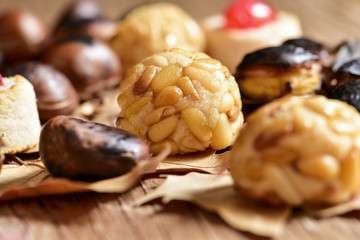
298,150
183,98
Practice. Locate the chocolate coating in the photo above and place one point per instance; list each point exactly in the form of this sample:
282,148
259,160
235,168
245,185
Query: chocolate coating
54,92
85,18
23,35
80,150
307,44
287,54
91,65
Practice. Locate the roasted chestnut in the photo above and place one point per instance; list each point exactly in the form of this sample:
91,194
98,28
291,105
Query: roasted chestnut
54,92
348,92
22,35
90,64
85,18
81,150
347,72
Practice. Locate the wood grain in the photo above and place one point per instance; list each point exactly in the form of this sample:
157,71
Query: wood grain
111,216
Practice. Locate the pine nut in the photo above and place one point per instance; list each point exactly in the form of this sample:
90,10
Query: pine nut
188,88
210,81
349,175
207,64
169,96
233,114
325,167
135,107
227,103
159,114
158,147
166,77
192,143
222,135
161,130
197,123
156,60
143,82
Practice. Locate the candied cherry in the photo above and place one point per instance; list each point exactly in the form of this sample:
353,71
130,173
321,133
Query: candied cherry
1,81
243,14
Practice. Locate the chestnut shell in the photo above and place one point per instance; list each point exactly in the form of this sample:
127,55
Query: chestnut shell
85,18
89,151
286,54
351,67
54,92
90,64
23,35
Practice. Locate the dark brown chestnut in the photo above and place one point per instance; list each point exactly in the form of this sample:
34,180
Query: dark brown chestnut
54,92
85,18
22,35
90,64
88,151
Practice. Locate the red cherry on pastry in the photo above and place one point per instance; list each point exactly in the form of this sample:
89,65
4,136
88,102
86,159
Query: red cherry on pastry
1,82
249,14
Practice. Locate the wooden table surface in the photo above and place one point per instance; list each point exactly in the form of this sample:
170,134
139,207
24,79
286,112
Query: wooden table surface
110,216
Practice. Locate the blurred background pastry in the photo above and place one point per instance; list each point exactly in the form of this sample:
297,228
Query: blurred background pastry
245,26
154,27
19,118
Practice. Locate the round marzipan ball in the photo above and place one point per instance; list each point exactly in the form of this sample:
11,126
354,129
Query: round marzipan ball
155,27
186,99
299,150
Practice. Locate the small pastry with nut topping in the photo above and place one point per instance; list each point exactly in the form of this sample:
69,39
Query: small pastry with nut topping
183,98
273,72
155,27
299,150
19,118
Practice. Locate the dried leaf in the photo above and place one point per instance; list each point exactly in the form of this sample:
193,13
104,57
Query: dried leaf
216,193
103,110
335,210
34,180
207,161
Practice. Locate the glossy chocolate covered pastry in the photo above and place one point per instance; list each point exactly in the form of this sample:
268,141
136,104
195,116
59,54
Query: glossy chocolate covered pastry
270,73
54,92
186,99
19,118
299,150
91,65
85,18
22,35
155,27
317,48
246,26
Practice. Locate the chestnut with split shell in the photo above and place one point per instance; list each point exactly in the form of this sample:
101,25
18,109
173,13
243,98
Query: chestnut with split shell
89,151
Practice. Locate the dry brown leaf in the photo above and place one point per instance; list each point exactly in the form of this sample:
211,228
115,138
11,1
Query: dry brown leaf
335,210
217,194
207,161
102,110
31,180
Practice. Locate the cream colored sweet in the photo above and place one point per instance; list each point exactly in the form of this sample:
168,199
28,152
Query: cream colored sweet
155,27
230,45
298,150
19,118
186,99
